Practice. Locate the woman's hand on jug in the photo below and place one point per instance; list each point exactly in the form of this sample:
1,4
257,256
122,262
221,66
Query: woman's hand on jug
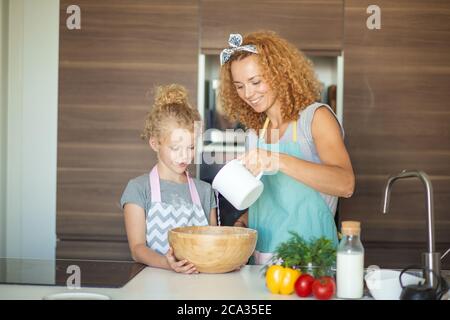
182,266
259,160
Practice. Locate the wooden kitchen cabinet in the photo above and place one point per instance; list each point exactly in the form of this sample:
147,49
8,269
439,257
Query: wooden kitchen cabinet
396,112
107,72
310,25
396,116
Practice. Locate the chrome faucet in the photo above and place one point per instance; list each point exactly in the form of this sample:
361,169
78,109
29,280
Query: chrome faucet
430,259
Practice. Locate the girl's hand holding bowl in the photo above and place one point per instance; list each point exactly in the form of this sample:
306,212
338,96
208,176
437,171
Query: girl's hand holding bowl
182,266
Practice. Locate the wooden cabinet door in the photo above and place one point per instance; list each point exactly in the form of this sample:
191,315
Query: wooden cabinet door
310,25
108,70
397,116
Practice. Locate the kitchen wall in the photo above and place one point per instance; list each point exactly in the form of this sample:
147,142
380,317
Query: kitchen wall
107,73
29,124
397,117
392,85
3,101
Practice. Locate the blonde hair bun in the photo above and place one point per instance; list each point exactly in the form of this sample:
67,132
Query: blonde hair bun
171,106
170,95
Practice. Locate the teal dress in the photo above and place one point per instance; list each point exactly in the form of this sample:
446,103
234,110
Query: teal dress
288,205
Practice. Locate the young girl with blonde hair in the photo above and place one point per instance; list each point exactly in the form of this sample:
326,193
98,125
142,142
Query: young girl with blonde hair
167,197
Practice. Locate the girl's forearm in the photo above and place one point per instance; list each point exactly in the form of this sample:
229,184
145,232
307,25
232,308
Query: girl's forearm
213,217
332,180
149,257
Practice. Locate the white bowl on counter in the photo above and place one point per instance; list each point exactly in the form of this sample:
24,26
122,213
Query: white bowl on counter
384,284
76,296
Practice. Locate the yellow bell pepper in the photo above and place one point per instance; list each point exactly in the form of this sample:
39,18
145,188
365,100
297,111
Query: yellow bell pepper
281,280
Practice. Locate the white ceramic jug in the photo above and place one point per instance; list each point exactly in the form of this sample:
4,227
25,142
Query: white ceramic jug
238,185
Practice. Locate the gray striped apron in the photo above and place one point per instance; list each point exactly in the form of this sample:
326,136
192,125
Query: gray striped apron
163,217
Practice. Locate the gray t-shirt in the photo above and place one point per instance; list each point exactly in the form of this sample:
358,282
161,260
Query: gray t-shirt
138,192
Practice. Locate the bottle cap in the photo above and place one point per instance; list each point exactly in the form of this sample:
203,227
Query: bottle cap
351,228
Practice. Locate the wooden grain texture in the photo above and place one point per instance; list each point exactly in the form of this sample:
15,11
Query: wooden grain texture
397,116
213,249
308,24
93,250
107,74
399,255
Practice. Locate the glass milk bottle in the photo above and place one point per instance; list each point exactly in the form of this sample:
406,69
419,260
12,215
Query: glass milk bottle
350,262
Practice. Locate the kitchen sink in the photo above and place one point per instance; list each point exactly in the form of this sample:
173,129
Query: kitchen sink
444,273
416,272
419,273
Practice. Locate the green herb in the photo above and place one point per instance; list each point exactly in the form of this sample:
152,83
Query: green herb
297,253
294,252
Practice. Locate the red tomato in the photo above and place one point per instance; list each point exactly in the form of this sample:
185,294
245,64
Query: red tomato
303,285
324,288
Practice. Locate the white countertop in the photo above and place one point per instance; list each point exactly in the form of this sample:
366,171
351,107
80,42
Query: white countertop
158,284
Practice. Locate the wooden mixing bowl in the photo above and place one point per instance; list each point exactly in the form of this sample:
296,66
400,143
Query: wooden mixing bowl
213,249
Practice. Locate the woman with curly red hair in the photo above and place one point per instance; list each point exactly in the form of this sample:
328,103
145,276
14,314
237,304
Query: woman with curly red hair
270,86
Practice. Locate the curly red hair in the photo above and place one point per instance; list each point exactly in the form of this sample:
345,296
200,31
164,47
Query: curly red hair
286,70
